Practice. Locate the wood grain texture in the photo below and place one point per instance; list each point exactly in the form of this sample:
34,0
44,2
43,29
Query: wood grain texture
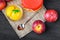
27,15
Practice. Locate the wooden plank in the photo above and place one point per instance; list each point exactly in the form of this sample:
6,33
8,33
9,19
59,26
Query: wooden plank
27,16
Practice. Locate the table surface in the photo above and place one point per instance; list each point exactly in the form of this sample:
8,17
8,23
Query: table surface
52,32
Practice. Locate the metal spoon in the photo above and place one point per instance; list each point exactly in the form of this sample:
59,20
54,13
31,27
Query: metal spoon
22,26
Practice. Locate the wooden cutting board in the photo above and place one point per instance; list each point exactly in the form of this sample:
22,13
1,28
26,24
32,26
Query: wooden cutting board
27,15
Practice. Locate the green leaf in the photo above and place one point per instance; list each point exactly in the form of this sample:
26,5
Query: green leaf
15,11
